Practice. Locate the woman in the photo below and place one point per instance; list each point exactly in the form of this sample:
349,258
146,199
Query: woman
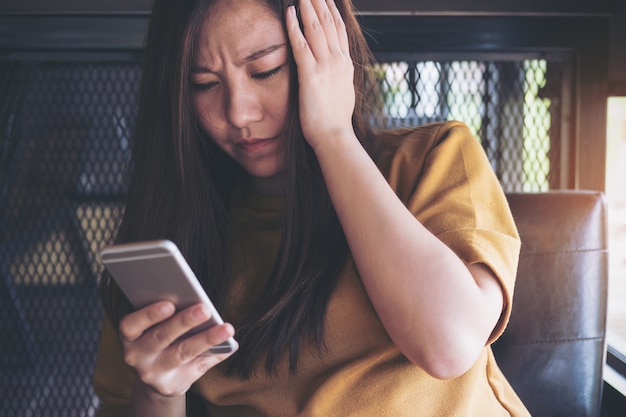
366,274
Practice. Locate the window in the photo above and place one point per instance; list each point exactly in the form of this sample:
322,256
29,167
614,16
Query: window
512,105
616,201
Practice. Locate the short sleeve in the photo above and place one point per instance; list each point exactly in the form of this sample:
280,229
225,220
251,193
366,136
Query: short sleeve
443,176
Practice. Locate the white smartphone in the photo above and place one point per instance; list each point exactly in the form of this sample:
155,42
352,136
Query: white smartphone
153,271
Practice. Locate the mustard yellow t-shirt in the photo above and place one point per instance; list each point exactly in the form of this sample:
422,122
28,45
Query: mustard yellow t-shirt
442,175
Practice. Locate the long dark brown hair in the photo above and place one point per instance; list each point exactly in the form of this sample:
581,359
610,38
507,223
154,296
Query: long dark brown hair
181,183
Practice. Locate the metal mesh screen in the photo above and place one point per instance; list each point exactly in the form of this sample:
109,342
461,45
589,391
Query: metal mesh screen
511,106
64,142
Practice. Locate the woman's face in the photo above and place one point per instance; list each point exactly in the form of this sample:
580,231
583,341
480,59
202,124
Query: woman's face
240,83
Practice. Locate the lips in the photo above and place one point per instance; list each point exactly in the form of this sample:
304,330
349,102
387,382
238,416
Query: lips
254,145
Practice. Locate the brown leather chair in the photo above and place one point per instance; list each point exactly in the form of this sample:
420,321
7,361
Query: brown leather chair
553,349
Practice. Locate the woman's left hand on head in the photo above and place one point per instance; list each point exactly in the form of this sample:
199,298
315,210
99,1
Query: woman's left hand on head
325,70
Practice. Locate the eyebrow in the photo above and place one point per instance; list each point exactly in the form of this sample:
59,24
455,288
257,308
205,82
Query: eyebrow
260,53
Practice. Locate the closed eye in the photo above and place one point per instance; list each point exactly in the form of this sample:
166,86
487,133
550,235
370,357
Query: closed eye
268,74
204,86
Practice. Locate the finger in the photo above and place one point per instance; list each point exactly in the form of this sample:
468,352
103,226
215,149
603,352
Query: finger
172,329
299,45
342,34
190,348
201,364
135,324
327,21
314,31
164,333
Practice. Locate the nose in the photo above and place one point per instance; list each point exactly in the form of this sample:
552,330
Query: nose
243,106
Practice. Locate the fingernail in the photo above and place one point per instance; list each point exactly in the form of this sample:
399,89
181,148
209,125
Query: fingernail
230,330
164,309
200,313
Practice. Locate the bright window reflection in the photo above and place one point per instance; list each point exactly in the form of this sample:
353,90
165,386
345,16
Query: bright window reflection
616,200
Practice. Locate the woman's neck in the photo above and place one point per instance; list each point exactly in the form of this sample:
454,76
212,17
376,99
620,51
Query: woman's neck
269,186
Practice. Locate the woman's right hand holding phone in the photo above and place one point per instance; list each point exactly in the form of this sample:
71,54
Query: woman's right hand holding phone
167,367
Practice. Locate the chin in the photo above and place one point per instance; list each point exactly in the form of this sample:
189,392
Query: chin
267,171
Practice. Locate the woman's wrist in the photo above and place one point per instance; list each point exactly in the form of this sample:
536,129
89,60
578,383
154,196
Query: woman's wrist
146,401
336,143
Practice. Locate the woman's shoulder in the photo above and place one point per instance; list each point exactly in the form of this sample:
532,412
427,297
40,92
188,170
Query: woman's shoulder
415,143
427,134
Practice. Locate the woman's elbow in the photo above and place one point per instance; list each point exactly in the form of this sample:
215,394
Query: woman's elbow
447,361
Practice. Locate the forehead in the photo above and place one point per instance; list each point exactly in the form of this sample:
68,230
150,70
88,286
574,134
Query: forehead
237,27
